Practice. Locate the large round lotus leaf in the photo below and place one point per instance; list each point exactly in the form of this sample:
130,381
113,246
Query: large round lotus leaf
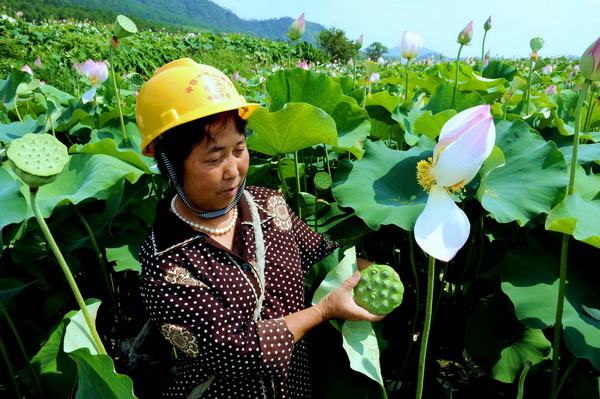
294,127
577,217
533,175
442,99
299,85
37,158
382,187
530,279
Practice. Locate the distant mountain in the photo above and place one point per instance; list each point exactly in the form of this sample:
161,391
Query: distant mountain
425,52
203,14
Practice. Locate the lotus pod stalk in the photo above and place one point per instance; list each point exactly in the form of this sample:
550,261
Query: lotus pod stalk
38,159
379,290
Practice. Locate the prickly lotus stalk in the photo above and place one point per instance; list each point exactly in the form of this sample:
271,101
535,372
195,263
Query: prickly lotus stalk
379,290
37,158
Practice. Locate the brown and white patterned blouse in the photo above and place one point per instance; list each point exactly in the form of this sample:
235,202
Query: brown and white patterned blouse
202,298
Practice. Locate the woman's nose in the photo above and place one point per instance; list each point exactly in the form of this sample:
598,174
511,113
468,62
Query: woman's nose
231,168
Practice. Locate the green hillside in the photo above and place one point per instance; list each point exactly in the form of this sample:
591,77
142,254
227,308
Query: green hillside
179,14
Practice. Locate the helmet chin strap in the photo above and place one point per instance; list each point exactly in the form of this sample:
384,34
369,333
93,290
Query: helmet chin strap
179,189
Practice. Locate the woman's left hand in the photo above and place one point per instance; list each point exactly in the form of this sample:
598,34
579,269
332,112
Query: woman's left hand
339,304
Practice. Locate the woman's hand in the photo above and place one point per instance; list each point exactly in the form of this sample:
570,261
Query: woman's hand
339,304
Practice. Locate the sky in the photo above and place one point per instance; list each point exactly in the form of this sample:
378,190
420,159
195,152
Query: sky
568,27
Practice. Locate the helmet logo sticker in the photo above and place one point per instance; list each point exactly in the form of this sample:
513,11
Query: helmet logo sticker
217,87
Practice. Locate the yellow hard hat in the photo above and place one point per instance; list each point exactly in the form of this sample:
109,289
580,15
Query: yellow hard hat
182,91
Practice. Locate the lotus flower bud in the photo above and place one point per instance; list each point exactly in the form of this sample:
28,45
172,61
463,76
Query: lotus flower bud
360,41
303,65
547,70
374,77
351,62
536,44
488,24
551,90
37,63
297,28
589,63
379,290
27,68
411,45
465,36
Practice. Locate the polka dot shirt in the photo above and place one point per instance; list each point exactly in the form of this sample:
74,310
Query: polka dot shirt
202,297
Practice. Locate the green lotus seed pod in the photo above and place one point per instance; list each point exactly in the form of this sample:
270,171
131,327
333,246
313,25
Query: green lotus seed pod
385,288
124,27
37,158
322,180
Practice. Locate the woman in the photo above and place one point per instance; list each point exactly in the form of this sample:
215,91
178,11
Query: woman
223,267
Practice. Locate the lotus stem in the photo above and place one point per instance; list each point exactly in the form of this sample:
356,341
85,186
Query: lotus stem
456,75
117,93
528,92
65,268
590,111
297,170
566,374
284,188
521,387
482,51
22,349
10,370
17,111
426,326
406,86
565,247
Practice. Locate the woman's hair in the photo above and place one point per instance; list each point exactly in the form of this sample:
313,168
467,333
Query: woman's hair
177,143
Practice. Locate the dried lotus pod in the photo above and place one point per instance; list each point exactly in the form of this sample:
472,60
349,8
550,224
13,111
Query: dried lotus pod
322,180
379,290
37,158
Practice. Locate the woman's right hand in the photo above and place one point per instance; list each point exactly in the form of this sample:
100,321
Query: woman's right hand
339,304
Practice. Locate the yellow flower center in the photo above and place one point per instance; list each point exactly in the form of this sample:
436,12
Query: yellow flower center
425,174
426,178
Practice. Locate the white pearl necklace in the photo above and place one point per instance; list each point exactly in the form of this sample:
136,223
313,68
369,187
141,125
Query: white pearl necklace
205,229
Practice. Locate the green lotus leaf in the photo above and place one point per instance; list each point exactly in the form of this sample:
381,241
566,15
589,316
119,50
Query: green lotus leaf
441,99
431,125
533,175
294,127
587,153
58,372
383,99
14,206
299,85
8,87
359,339
96,374
529,277
108,146
498,69
382,187
499,342
577,217
15,130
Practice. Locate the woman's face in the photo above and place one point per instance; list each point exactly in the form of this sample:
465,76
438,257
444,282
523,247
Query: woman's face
215,168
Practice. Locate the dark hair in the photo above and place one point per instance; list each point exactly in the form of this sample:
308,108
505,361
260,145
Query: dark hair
177,143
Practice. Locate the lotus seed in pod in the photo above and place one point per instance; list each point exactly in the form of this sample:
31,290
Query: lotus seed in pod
379,290
37,158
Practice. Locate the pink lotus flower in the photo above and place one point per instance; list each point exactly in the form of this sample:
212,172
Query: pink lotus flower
235,77
547,70
303,65
374,77
78,68
37,63
97,73
465,141
551,90
411,45
27,69
589,63
351,62
465,36
296,29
